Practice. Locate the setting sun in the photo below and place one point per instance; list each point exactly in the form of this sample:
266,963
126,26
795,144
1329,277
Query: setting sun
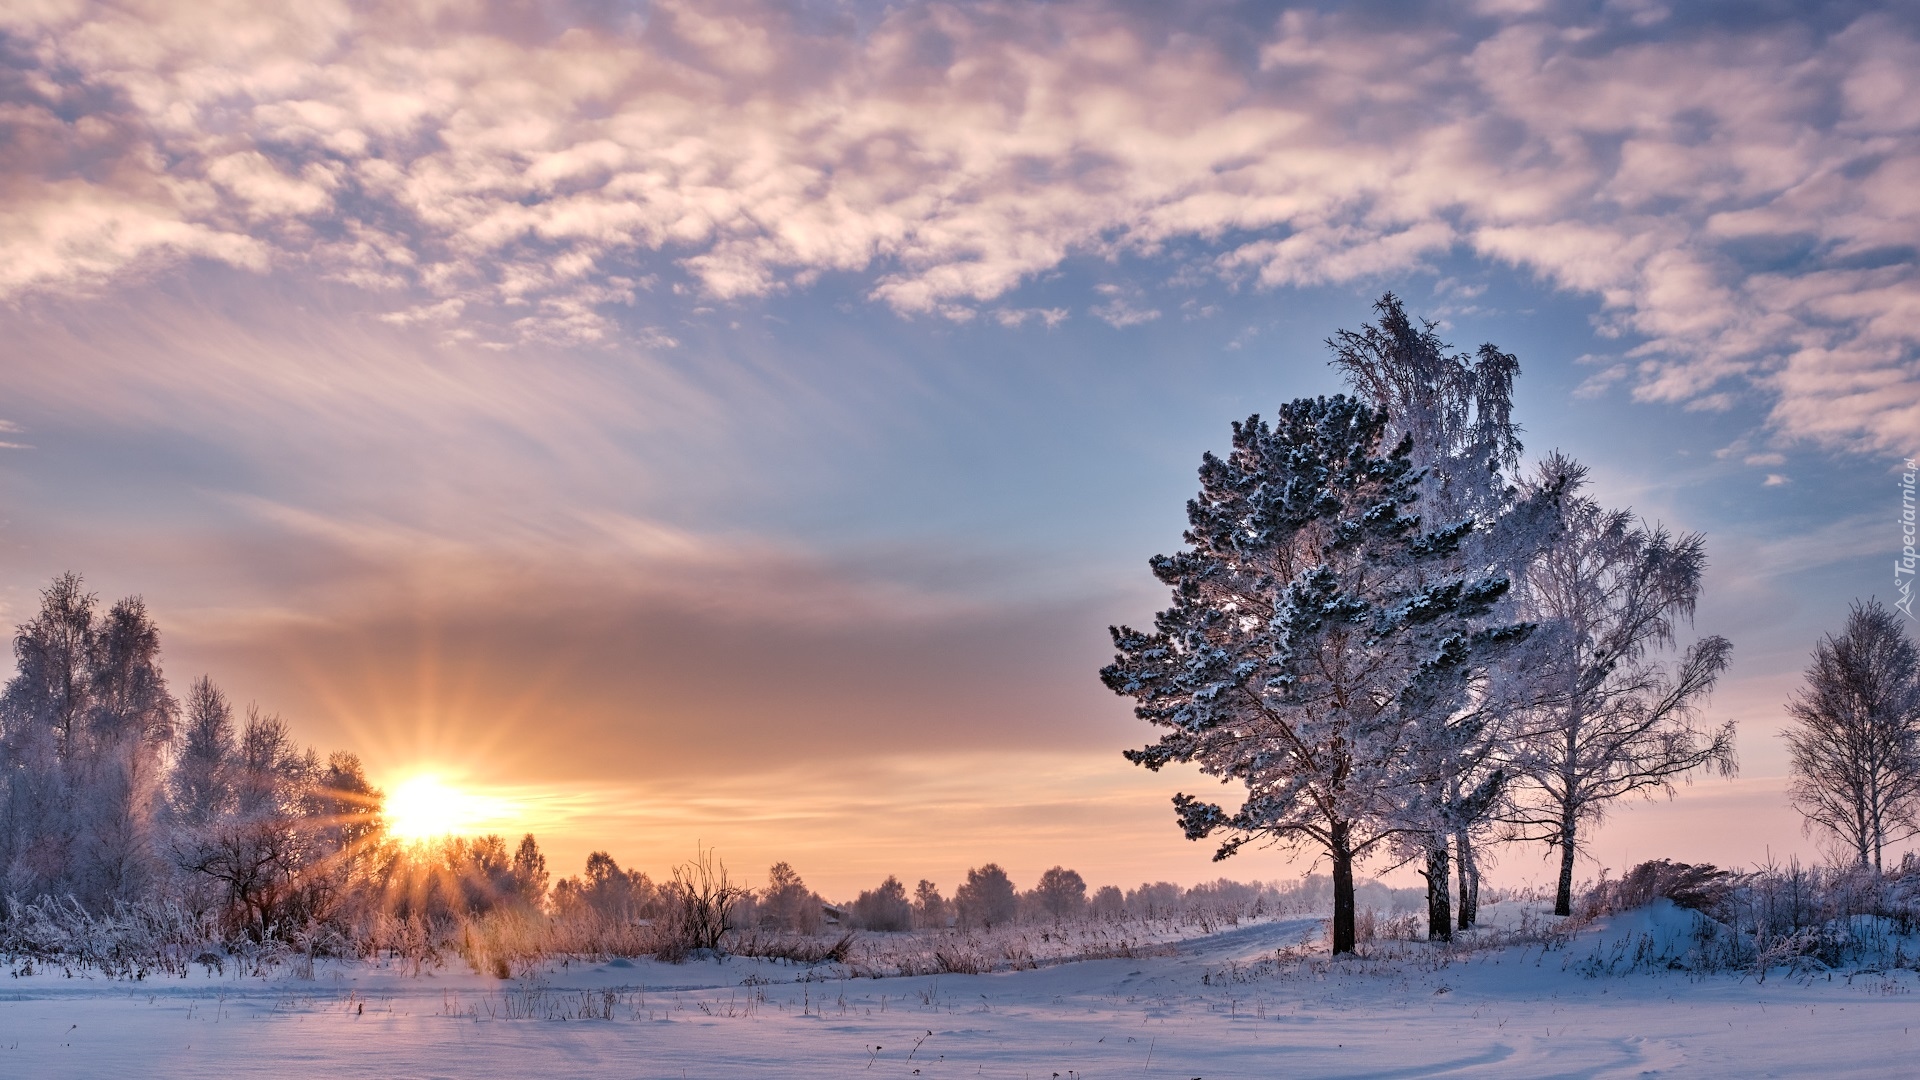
425,807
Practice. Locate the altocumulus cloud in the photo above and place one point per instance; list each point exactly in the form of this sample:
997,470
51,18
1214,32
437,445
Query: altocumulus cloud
1736,189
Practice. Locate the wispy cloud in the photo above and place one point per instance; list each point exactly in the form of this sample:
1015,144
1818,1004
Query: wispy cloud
1016,317
1121,312
1738,195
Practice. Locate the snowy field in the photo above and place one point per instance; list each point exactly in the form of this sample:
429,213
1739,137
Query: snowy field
1220,1007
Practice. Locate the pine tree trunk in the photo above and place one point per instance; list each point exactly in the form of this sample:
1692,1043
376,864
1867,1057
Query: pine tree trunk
1563,898
1469,882
1439,910
1342,854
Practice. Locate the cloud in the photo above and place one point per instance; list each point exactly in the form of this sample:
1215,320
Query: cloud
1120,314
1013,318
1597,384
1736,195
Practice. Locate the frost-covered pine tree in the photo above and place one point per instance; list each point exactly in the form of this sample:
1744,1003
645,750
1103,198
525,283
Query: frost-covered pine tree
1458,412
1312,619
1607,718
1855,740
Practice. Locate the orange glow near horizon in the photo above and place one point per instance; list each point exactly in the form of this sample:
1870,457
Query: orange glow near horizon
425,807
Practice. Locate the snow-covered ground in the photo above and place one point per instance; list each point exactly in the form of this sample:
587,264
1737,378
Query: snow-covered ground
1218,1008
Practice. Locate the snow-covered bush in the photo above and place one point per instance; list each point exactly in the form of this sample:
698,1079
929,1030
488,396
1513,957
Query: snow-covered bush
1793,917
1698,887
131,940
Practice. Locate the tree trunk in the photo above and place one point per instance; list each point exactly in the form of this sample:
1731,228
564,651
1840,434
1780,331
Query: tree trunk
1563,898
1469,882
1879,837
1439,910
1863,831
1342,854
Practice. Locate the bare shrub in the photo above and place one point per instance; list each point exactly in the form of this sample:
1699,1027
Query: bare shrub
1370,925
955,959
796,948
701,897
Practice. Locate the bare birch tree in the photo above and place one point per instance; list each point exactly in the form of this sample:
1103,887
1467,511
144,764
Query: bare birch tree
1457,410
1855,740
1608,719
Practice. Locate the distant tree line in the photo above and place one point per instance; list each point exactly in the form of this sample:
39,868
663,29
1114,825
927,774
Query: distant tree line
987,897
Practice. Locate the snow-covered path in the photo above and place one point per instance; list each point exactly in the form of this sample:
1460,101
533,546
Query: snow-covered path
1207,1012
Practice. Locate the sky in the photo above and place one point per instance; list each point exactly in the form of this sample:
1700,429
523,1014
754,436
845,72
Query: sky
737,424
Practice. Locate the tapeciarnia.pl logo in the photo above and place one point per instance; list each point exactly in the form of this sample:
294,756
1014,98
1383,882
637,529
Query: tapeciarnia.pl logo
1903,566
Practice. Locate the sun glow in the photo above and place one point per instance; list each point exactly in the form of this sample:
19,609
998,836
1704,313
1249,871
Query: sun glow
426,808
